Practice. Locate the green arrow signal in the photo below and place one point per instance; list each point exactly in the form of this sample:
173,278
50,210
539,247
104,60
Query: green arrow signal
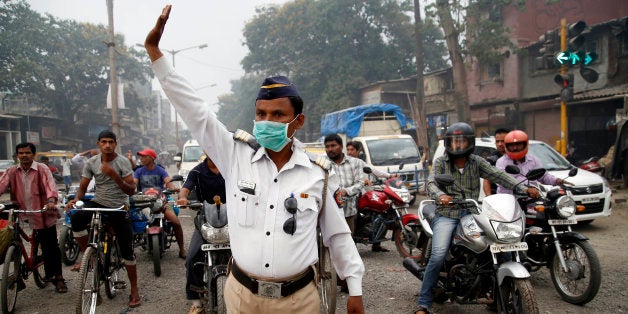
575,59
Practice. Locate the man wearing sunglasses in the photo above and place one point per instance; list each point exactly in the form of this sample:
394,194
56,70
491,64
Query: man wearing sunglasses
276,197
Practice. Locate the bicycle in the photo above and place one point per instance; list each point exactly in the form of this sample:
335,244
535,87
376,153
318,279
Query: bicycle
101,262
327,280
19,262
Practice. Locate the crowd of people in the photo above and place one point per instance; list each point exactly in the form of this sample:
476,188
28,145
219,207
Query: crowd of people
260,176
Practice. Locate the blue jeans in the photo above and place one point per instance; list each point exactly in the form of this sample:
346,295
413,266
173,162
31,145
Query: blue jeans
443,228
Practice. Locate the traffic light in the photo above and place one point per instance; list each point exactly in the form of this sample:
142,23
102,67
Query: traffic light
566,83
574,33
550,43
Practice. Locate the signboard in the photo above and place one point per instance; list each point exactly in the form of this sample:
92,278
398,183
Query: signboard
32,137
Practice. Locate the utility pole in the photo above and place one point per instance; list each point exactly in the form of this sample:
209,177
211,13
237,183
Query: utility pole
115,124
563,103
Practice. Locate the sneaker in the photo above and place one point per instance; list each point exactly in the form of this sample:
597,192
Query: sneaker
196,309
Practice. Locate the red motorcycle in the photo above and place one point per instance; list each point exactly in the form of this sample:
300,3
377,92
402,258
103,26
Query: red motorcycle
384,207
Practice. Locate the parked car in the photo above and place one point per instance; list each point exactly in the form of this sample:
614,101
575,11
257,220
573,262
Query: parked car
5,164
591,190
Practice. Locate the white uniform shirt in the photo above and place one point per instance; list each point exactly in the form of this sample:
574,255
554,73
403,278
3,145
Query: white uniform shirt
258,243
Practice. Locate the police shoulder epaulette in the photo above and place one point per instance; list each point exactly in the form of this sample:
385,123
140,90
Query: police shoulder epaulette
246,137
320,161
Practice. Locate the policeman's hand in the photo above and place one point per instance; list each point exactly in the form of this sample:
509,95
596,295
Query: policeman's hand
445,199
154,36
533,192
182,201
355,305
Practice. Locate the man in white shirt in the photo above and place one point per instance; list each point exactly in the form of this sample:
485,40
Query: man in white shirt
274,193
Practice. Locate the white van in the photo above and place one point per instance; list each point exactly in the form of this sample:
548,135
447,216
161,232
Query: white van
190,157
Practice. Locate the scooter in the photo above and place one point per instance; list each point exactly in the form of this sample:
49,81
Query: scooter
482,265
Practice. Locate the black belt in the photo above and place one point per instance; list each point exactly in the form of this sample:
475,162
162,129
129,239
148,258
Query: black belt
271,289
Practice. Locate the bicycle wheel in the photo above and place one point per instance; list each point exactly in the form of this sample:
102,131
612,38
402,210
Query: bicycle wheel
88,282
112,271
10,285
68,246
39,271
155,254
326,279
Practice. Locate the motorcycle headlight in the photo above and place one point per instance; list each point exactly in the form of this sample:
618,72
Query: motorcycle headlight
565,206
403,194
215,235
510,231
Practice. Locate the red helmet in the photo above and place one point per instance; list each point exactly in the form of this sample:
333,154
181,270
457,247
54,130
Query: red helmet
516,136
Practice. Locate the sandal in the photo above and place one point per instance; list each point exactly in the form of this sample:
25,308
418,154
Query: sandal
136,303
60,286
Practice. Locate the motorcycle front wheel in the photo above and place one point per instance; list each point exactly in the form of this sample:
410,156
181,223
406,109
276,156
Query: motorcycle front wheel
581,282
518,296
155,254
410,243
216,295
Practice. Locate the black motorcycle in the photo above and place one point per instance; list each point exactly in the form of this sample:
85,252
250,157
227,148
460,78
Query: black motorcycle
573,264
211,223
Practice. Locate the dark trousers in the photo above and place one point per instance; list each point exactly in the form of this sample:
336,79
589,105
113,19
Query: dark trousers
119,222
194,276
47,238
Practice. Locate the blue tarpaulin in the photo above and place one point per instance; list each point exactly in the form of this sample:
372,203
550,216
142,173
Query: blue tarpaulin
349,120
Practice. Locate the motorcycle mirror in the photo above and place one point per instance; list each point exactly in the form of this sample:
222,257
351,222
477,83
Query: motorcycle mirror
367,170
177,177
421,150
573,172
512,169
444,179
535,174
401,166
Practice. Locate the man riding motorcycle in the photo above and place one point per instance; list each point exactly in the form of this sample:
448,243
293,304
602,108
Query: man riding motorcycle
465,168
516,145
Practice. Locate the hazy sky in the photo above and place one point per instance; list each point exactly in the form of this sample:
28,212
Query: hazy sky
216,23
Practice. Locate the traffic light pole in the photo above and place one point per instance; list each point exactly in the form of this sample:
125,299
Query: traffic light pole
563,104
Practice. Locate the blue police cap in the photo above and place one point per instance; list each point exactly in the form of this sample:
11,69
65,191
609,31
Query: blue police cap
277,87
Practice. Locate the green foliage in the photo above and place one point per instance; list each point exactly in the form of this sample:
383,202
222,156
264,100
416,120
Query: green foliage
237,109
331,48
62,64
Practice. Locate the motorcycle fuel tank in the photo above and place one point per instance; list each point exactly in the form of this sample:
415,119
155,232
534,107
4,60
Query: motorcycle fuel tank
469,234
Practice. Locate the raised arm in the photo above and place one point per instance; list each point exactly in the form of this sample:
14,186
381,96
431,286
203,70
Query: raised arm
154,36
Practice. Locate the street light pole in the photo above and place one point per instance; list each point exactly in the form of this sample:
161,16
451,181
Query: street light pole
174,53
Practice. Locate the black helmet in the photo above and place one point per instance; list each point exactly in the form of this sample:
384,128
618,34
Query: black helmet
457,131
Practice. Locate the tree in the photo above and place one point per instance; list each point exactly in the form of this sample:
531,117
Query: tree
330,48
479,31
61,64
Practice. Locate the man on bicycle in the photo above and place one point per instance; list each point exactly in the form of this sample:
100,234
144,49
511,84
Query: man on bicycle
151,175
114,184
33,187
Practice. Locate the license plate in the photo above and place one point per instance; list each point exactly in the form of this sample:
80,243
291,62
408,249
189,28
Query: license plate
212,247
589,200
520,246
560,222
